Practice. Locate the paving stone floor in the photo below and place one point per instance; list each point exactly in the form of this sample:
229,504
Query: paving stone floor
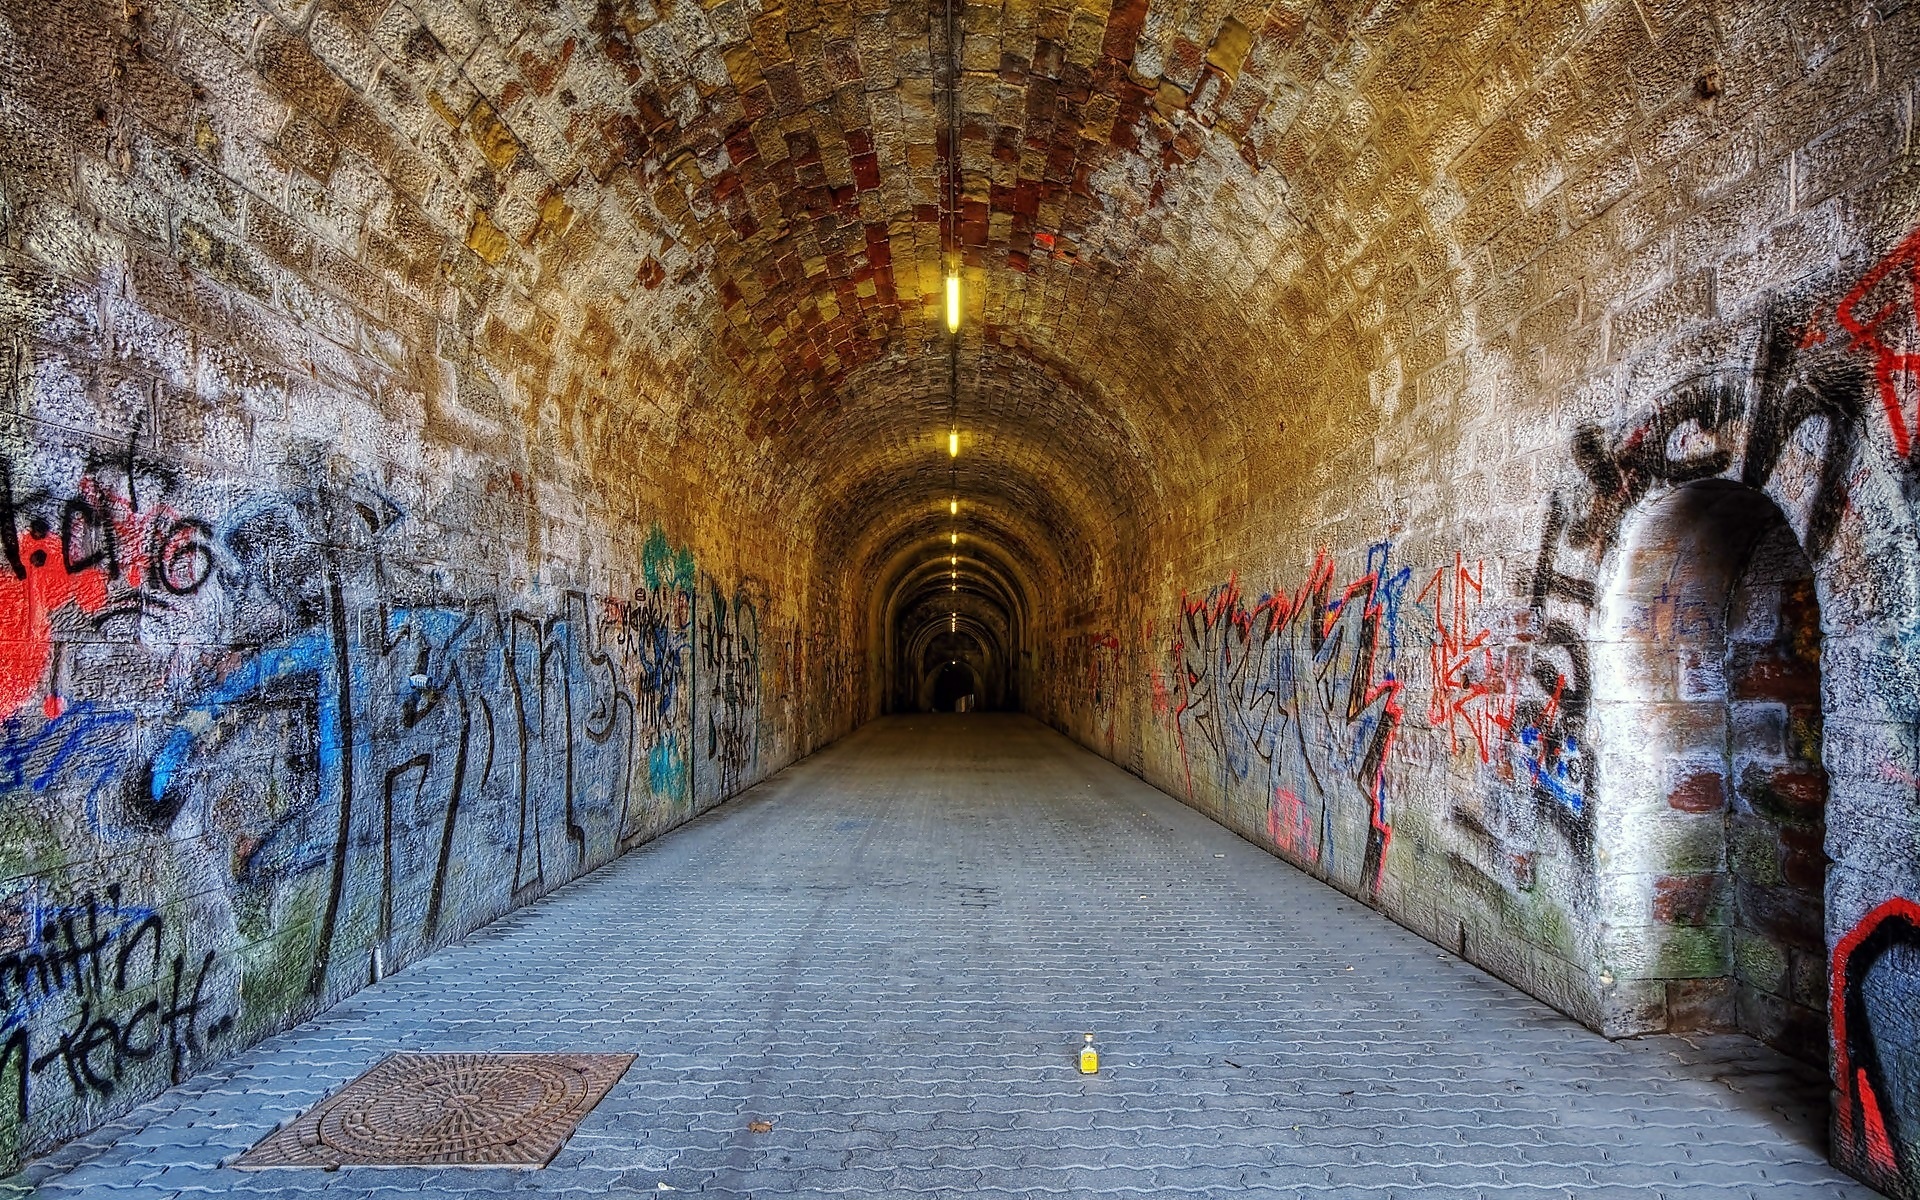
890,952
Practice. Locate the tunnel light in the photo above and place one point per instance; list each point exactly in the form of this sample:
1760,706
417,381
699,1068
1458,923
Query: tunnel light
953,304
953,623
953,559
954,538
953,443
953,508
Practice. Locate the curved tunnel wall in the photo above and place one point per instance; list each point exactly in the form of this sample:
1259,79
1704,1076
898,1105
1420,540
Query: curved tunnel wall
369,561
530,422
1365,635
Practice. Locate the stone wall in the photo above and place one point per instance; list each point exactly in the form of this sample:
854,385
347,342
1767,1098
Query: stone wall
365,569
1776,829
1395,633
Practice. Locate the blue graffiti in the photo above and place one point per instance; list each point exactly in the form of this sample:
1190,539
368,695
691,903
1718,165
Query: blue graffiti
83,743
308,657
1389,590
665,768
660,652
1556,778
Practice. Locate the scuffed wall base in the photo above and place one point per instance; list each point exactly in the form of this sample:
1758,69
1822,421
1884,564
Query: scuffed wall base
1563,985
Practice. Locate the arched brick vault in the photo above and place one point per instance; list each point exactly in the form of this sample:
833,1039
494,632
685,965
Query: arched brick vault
967,628
1287,325
989,606
976,576
1000,562
739,213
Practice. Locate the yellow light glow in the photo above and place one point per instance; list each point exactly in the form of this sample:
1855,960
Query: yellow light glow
954,538
953,304
954,559
953,444
953,507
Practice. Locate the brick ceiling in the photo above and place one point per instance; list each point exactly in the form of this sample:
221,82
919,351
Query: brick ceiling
1167,217
772,198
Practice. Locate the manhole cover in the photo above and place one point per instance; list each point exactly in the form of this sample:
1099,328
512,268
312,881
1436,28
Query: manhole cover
447,1110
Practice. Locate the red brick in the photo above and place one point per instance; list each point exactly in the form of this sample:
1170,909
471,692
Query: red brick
1689,899
1700,792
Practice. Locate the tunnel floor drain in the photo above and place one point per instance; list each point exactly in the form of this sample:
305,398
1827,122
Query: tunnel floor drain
446,1110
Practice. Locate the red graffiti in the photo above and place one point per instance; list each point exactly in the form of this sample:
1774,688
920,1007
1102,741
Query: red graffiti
101,556
27,603
1469,685
1893,774
1882,317
1863,1115
1291,826
1299,685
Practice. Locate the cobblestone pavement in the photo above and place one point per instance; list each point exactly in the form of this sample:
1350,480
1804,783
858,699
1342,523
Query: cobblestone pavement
890,951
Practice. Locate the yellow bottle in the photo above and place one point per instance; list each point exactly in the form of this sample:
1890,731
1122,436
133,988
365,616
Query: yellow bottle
1089,1057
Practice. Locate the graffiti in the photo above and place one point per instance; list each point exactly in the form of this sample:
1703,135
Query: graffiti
1692,433
730,661
1085,671
650,631
1881,317
1102,681
449,672
92,549
650,638
1472,698
329,756
1297,691
106,962
563,715
832,683
1875,968
80,743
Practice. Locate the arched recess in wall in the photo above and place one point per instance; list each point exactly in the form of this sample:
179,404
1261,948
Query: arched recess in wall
1803,429
1711,788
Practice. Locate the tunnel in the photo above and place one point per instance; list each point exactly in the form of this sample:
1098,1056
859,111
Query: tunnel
1362,553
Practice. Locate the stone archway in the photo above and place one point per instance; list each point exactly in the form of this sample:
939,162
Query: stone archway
953,687
1709,840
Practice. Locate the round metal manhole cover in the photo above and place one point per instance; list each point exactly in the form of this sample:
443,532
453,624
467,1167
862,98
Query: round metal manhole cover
447,1110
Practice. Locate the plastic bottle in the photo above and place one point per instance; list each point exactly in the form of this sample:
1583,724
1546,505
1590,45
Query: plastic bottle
1089,1057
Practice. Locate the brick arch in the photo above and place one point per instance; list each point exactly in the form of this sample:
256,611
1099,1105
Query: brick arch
940,625
1710,788
937,675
